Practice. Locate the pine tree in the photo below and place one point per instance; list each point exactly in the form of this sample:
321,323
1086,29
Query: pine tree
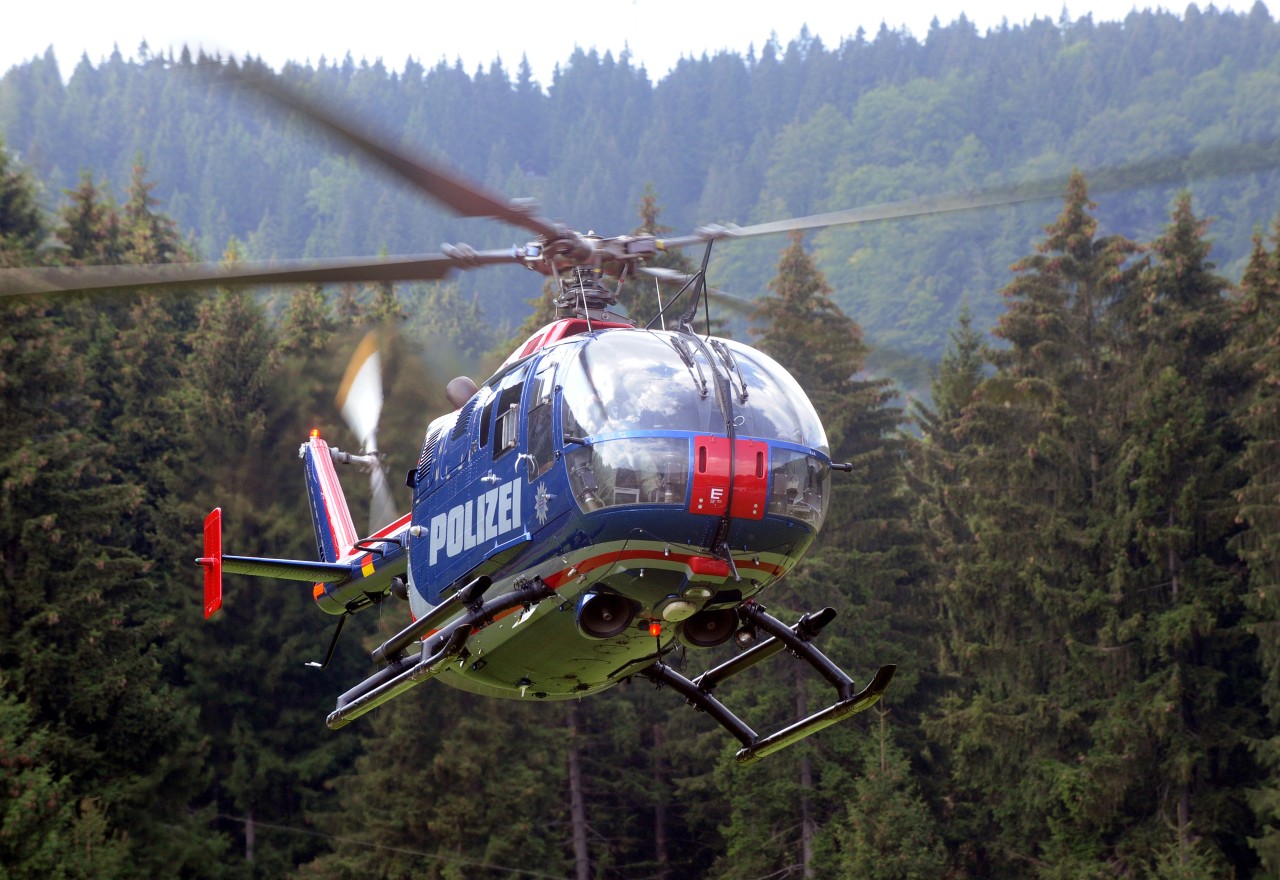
90,230
1176,592
639,297
22,224
46,833
865,564
84,477
1255,348
1029,569
149,236
890,833
438,811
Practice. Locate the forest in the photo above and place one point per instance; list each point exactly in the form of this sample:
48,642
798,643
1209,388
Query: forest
1062,520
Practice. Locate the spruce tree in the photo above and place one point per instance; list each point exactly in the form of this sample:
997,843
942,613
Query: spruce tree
1029,568
22,224
1173,728
865,564
89,613
1255,348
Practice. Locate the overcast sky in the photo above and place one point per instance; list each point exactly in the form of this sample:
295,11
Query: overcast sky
657,32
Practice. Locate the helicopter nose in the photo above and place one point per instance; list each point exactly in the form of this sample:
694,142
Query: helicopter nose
730,475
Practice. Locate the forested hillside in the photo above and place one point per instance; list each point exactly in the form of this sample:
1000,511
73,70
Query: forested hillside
1072,552
785,130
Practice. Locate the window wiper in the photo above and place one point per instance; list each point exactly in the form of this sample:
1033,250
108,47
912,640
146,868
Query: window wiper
731,363
695,369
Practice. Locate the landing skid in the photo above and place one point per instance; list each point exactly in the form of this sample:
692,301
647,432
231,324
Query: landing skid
402,673
796,639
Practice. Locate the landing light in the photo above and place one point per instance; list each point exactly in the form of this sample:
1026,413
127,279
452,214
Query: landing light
677,610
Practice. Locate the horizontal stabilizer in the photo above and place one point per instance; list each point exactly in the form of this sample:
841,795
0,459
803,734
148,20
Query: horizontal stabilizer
287,569
215,562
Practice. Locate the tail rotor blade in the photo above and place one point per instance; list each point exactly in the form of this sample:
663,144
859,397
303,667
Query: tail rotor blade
360,394
360,400
382,507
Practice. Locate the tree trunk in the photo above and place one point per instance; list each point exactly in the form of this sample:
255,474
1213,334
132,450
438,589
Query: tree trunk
577,801
250,834
808,830
660,854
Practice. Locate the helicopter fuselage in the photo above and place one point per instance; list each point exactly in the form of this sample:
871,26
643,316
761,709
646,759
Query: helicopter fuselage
654,480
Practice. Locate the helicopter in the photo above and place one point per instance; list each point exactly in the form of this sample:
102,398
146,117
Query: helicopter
613,493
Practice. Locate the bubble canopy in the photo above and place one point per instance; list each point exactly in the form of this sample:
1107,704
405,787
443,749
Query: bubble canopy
624,382
641,397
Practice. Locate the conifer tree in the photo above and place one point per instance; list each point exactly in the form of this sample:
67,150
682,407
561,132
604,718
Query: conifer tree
89,615
938,459
639,296
90,229
22,224
46,832
424,799
150,236
864,565
1029,570
261,707
1176,591
308,322
1255,348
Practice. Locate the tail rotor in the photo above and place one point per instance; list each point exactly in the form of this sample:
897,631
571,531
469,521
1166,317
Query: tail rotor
360,401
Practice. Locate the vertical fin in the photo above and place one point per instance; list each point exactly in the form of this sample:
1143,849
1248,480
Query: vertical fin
212,562
335,531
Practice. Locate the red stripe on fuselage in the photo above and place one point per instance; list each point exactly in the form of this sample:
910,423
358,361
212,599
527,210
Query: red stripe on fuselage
558,579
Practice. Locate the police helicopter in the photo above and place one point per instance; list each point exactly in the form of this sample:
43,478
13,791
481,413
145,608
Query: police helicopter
612,493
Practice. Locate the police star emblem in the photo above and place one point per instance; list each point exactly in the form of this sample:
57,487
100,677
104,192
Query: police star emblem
540,500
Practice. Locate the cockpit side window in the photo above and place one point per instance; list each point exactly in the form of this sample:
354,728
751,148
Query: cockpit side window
506,415
541,423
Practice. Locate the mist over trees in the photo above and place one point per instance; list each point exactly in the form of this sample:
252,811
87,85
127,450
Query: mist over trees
1070,545
788,129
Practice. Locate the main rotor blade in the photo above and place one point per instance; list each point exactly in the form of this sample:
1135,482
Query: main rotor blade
464,197
423,267
731,301
1204,164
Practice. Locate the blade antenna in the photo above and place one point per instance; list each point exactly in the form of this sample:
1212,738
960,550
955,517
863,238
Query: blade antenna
582,297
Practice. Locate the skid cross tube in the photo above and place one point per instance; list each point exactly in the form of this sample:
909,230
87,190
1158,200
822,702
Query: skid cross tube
437,651
806,628
802,647
393,647
796,639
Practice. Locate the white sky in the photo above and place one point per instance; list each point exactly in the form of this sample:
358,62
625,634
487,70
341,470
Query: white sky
657,32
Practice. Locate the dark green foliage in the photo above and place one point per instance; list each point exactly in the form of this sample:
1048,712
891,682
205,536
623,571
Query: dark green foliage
451,786
1254,348
792,128
90,621
44,832
22,226
1077,575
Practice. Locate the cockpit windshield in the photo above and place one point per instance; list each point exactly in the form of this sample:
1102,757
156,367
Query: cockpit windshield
621,383
776,407
618,387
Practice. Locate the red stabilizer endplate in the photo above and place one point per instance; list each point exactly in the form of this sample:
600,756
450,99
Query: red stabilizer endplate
212,562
